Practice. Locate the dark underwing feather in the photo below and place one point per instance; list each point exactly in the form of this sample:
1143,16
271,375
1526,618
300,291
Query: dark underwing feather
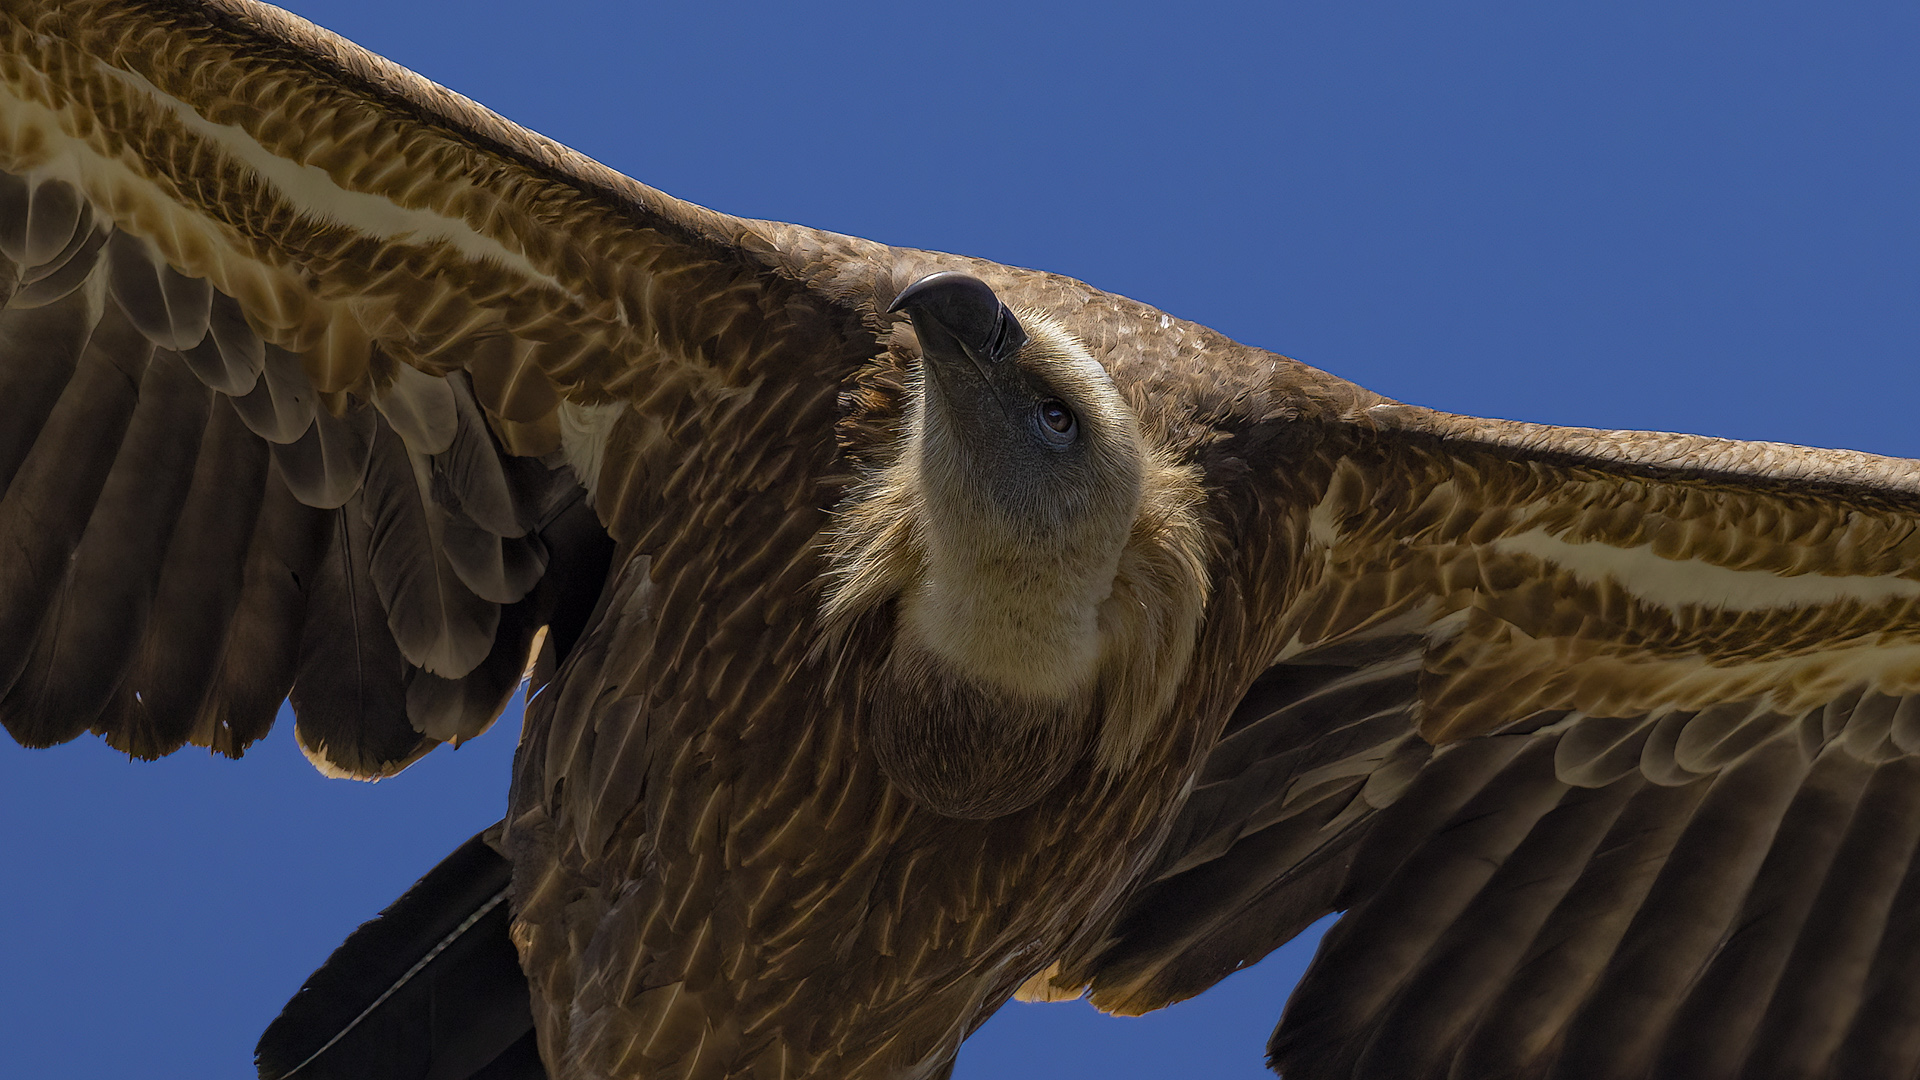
272,621
49,237
57,216
72,267
1738,924
1685,916
37,221
495,491
514,391
170,308
497,569
96,617
1431,1014
430,989
1416,903
324,467
455,710
55,336
1186,933
349,695
1521,1028
420,408
230,357
52,496
573,554
1722,1012
281,404
68,271
1822,997
1297,718
1877,878
520,1061
437,622
202,579
489,500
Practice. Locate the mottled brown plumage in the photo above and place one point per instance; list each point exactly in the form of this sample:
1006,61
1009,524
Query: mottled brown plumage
317,380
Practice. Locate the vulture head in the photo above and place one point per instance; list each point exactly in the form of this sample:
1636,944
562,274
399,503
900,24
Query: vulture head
1029,561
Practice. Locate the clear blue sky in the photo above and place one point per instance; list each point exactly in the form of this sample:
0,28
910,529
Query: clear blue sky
1672,215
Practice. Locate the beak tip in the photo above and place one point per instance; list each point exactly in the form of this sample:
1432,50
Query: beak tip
945,284
966,307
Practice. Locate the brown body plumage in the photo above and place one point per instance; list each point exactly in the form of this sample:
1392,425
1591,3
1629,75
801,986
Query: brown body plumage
1604,740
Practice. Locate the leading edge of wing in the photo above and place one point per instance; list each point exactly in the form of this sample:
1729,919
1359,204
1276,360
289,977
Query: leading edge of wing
342,200
1660,455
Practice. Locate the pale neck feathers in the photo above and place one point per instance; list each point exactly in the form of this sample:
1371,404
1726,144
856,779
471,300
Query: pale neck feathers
1080,605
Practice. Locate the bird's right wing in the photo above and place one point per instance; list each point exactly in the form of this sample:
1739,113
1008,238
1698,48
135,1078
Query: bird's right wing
296,349
1607,743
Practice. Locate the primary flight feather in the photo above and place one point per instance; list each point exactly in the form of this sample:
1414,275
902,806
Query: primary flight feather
911,640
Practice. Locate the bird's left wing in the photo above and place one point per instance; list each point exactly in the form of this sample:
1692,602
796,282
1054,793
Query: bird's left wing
305,361
1607,743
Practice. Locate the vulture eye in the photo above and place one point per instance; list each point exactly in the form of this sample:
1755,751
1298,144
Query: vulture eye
1056,416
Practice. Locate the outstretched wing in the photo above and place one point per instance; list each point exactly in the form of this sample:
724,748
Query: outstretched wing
309,369
1607,743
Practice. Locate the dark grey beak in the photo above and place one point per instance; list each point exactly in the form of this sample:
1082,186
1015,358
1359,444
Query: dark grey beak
955,313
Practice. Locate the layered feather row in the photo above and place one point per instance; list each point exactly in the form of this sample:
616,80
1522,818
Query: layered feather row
175,487
1684,893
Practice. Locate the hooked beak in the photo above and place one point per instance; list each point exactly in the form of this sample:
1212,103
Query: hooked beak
957,315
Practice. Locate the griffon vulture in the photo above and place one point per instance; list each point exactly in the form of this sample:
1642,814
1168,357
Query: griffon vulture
914,630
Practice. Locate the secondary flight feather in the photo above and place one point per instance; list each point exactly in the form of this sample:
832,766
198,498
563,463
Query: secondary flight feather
916,630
